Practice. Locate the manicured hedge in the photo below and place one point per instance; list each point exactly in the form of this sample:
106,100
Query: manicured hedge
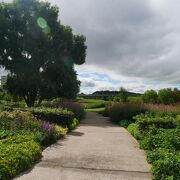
17,153
144,121
75,107
62,117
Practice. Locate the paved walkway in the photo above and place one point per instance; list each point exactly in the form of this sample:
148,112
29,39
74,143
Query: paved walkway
97,150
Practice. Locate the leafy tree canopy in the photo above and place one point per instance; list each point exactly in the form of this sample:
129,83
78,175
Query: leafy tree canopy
38,51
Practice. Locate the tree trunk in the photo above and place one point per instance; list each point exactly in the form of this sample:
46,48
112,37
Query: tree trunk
30,99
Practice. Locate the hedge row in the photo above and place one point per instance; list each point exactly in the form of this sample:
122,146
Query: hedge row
21,137
159,135
75,107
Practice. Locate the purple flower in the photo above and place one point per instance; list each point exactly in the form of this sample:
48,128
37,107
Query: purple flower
47,127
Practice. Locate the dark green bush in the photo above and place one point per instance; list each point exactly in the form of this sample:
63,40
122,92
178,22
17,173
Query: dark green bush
147,120
17,153
165,138
159,153
62,117
166,165
121,111
124,123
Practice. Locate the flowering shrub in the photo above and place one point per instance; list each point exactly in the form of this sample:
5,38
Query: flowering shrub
47,127
21,122
62,117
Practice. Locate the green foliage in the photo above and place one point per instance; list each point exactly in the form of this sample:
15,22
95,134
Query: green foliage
133,130
161,138
75,107
150,96
62,117
164,96
38,52
98,110
17,153
166,163
19,122
158,120
159,134
135,99
120,111
21,135
123,95
9,105
74,124
124,123
167,166
93,103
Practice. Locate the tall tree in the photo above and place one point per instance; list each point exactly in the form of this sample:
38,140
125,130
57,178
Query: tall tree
123,94
38,52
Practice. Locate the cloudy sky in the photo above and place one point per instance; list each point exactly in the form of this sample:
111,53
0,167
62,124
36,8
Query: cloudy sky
131,43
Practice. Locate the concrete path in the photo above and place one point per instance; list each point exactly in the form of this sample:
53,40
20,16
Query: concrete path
97,150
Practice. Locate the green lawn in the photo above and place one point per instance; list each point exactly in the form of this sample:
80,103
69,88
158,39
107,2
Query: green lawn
96,109
93,103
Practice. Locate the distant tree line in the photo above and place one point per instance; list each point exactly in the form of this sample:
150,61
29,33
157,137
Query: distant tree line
114,93
163,96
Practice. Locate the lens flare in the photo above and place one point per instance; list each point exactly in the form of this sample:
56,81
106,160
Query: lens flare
41,22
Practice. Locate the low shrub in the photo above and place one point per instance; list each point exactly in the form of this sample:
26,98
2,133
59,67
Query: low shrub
49,134
19,122
166,167
121,111
21,135
124,123
8,105
133,130
62,117
74,124
147,120
163,138
17,153
159,153
75,107
159,135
